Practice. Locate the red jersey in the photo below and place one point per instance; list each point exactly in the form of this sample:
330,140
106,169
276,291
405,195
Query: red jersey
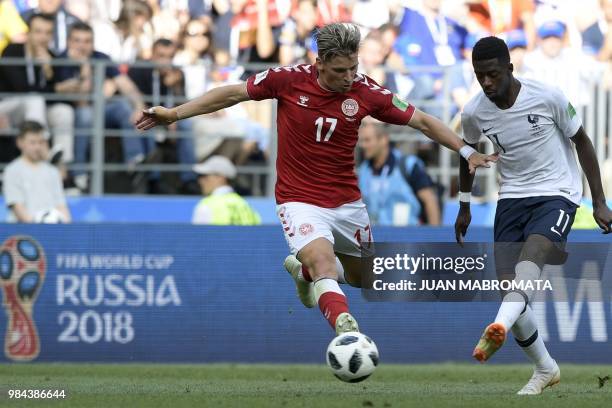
318,130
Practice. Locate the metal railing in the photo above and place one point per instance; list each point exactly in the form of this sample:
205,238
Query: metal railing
596,119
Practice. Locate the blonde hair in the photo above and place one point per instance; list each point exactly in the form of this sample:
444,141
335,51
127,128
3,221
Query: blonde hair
338,39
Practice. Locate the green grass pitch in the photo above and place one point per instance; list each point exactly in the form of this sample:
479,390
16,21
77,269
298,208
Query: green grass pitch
226,385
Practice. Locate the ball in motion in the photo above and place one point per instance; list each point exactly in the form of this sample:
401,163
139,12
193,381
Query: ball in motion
50,216
352,357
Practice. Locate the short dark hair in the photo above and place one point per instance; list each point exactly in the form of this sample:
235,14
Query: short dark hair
30,126
79,26
44,16
163,42
491,48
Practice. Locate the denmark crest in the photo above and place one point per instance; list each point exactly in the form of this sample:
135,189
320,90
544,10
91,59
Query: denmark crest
350,107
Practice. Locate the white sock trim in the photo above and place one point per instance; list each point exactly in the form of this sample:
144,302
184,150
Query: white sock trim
326,285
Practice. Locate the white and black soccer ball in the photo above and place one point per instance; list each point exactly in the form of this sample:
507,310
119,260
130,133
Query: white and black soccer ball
50,216
352,357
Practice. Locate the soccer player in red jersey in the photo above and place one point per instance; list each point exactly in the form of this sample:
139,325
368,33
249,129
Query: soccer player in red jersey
320,108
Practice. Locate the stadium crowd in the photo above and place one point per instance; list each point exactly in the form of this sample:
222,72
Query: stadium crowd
412,47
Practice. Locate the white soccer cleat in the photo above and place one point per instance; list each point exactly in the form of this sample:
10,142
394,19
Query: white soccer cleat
540,380
305,289
346,323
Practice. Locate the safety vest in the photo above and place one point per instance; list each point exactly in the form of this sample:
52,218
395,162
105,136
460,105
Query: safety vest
388,196
584,218
230,209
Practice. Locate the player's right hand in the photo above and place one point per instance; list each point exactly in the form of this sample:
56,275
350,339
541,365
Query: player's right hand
156,116
477,160
464,217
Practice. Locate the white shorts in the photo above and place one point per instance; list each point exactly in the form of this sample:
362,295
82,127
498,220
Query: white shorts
347,227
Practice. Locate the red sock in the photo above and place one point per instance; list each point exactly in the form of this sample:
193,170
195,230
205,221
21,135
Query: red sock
306,274
331,305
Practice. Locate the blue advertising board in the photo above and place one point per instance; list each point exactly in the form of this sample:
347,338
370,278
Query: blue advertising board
170,293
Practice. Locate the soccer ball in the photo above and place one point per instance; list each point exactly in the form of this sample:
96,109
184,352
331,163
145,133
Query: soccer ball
50,216
352,357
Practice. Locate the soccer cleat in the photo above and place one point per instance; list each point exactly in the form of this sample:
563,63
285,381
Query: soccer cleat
491,340
540,380
346,323
305,289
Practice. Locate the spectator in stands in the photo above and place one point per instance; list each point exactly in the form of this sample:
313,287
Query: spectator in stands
395,187
389,33
32,187
217,14
231,132
222,206
517,44
372,58
428,38
132,36
463,84
297,34
12,28
38,76
168,18
371,14
582,20
258,24
165,83
332,11
118,113
62,21
555,64
499,16
195,57
605,53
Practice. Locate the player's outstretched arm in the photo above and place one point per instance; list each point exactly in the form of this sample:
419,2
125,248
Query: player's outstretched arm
464,216
212,101
588,162
434,129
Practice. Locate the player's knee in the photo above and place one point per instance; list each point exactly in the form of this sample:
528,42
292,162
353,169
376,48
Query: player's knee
320,265
536,249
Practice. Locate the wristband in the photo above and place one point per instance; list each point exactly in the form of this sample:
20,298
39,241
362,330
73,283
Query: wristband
465,196
466,151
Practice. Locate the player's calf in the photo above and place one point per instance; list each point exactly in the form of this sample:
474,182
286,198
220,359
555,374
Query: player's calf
319,258
334,306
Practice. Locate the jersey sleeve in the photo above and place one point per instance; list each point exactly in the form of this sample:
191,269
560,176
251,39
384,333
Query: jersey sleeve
471,133
564,114
268,84
389,108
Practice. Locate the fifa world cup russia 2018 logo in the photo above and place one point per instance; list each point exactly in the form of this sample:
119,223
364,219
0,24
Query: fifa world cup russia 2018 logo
22,272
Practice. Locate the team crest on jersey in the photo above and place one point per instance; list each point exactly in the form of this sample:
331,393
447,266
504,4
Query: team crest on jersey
533,119
303,100
350,107
306,229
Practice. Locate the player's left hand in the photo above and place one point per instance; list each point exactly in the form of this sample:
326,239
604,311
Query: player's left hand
481,160
603,217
